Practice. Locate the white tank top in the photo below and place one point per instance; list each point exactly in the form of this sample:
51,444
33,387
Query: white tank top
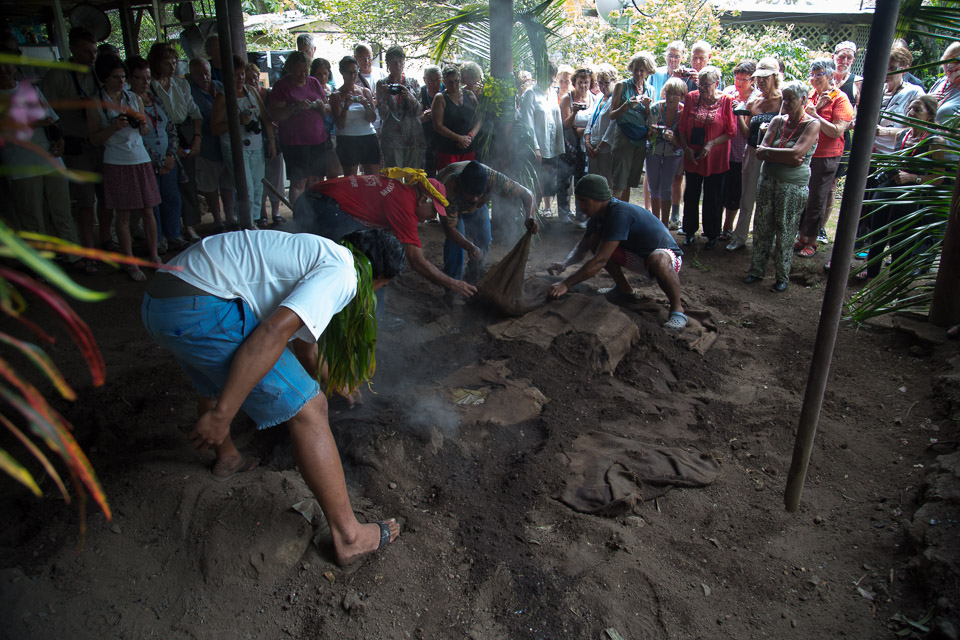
356,124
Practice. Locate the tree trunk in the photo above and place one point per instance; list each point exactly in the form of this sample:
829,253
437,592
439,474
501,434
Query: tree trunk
945,308
501,38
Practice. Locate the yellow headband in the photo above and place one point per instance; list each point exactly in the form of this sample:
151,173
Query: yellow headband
417,176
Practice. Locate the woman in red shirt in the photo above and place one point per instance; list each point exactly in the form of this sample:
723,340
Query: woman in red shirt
706,126
833,110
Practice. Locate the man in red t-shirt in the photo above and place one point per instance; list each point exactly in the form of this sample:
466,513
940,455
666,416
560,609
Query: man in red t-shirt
336,207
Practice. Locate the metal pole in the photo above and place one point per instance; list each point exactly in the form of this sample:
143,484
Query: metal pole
233,115
161,33
61,28
874,79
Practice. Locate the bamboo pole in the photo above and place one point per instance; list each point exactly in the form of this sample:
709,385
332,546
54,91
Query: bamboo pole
875,73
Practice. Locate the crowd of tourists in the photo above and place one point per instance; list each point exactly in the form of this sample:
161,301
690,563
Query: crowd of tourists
370,159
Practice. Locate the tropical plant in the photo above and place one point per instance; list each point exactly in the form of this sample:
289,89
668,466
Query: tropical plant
468,30
397,22
31,252
348,345
907,284
772,40
594,41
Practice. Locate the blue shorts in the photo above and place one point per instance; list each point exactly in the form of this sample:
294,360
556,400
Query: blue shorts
203,333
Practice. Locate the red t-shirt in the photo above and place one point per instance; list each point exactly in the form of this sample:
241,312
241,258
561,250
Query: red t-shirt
377,202
717,119
839,108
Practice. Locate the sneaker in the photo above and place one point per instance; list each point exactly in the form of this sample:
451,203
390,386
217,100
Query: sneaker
822,236
176,244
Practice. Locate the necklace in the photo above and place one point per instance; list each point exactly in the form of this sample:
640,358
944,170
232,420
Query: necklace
787,137
947,89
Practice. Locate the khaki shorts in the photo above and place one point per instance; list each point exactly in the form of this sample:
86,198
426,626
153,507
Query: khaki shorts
628,161
212,175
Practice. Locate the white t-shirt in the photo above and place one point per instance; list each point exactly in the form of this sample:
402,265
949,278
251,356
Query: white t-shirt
376,74
312,276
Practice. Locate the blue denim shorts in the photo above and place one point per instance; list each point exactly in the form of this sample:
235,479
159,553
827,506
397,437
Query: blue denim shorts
204,332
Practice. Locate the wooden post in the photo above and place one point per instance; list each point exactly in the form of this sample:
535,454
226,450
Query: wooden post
874,80
945,307
131,43
225,33
501,68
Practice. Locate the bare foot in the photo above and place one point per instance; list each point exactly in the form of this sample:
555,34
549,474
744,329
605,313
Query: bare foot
228,465
368,540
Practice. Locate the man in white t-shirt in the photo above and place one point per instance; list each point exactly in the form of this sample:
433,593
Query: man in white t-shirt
242,318
369,74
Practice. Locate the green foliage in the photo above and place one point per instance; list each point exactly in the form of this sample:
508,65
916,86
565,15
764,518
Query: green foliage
348,344
593,41
386,22
273,38
774,40
905,284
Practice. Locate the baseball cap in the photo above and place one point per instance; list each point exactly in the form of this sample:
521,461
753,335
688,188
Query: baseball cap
443,191
767,67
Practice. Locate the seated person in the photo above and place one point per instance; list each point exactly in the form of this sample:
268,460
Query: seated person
467,223
647,246
245,332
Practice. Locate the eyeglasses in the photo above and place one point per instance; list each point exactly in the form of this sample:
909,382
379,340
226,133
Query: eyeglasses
705,84
817,75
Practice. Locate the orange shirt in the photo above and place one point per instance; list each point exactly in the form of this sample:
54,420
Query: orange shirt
839,108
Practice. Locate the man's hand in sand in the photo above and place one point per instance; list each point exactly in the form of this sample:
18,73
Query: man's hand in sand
464,289
210,430
556,268
558,290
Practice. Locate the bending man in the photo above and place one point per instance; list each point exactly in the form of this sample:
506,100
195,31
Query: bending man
620,234
243,318
466,226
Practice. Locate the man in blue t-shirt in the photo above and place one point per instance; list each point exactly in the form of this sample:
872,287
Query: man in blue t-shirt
620,234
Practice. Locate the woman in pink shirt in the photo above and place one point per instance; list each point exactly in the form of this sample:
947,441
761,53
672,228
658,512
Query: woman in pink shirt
299,103
706,126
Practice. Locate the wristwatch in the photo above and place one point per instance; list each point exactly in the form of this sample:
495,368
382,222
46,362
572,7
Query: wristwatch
919,180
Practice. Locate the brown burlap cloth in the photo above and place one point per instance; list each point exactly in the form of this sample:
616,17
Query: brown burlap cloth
610,474
506,288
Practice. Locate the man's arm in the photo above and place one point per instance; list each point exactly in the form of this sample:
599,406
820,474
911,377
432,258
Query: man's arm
425,268
588,270
511,189
453,235
255,357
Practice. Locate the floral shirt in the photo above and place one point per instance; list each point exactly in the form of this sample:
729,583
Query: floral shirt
400,115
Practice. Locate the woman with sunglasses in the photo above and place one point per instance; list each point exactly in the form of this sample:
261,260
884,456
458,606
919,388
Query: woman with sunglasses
832,108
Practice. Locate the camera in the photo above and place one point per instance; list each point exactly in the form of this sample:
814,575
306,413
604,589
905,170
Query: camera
356,98
580,105
131,120
395,88
686,72
742,112
253,126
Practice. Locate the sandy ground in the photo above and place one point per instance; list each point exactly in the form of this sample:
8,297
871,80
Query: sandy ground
486,550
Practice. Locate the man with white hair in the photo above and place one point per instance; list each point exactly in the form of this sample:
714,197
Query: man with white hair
432,83
675,54
305,46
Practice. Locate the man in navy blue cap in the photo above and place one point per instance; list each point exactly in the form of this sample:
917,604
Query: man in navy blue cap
467,223
622,235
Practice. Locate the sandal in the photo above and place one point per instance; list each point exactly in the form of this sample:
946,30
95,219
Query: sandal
862,275
797,246
676,322
278,220
136,274
809,251
262,223
726,235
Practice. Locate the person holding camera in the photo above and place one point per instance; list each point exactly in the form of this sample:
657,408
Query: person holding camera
298,103
256,126
117,123
575,109
354,115
628,106
706,127
401,134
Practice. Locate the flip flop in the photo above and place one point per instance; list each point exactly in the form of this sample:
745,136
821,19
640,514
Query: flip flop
278,220
809,251
136,274
247,463
676,322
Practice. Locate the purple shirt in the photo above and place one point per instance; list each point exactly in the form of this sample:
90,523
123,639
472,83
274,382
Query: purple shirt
306,127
